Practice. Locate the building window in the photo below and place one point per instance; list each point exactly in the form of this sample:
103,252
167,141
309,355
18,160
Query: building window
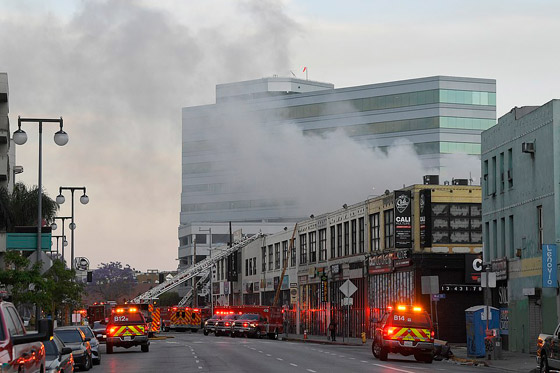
494,249
485,184
254,265
503,238
540,226
339,239
293,254
346,238
302,249
284,253
354,237
270,258
510,168
487,239
502,174
333,242
277,255
375,237
323,245
389,221
361,235
246,267
511,238
493,177
263,256
312,247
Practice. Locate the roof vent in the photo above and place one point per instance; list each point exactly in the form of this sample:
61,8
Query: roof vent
431,179
460,181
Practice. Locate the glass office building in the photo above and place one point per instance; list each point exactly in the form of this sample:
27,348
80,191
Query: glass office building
438,115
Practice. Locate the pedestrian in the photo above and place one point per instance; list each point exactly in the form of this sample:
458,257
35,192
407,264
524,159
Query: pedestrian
332,330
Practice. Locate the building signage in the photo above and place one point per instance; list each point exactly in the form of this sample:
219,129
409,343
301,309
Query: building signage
473,267
446,288
324,290
549,266
504,321
335,269
499,266
385,263
380,264
256,286
425,218
293,293
403,219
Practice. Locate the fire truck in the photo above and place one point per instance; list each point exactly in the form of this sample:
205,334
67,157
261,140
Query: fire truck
270,321
152,314
99,312
182,318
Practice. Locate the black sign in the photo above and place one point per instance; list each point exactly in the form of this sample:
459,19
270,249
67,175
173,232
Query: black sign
324,291
473,267
232,267
425,218
447,288
403,219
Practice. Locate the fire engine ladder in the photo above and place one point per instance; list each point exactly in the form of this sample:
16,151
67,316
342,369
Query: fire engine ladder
201,283
195,270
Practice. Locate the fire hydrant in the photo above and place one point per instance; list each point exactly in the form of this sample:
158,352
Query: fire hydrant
364,337
305,334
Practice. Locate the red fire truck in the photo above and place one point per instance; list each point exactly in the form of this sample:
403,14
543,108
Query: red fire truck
270,320
99,311
181,318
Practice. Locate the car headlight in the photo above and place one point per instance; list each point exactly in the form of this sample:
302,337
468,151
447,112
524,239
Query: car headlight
253,325
205,323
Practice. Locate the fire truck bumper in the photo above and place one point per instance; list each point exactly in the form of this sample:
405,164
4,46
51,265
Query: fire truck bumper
128,341
408,347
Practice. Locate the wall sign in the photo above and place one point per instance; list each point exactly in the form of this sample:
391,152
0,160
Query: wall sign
500,267
403,219
473,267
549,266
425,218
460,288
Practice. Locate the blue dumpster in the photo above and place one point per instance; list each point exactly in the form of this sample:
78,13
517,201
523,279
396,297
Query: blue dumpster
476,328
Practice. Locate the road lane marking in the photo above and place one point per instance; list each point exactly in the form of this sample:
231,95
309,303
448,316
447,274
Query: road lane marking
352,358
311,370
197,361
279,358
260,351
363,361
294,365
268,355
396,369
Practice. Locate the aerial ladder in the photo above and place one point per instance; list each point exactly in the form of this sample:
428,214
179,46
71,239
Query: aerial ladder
195,270
201,283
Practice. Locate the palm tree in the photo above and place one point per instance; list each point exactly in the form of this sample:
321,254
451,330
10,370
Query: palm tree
20,207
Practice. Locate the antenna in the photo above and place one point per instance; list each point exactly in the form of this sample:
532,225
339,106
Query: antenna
293,74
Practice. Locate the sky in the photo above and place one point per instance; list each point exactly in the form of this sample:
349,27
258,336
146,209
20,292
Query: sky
119,72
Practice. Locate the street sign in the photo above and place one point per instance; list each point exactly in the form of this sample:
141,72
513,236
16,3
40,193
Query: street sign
488,279
347,301
348,288
437,297
81,263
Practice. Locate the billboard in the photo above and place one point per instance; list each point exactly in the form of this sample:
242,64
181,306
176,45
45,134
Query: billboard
403,219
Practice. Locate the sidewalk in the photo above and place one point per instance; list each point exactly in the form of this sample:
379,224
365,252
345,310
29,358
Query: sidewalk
511,362
322,339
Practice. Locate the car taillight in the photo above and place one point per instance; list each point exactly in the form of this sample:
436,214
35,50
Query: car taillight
111,330
245,324
389,331
227,323
432,334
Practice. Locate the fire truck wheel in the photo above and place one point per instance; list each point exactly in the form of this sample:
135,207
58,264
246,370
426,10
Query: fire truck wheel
276,334
145,348
383,354
166,328
374,349
205,332
109,348
232,334
216,333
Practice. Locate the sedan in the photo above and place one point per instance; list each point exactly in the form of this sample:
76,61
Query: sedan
94,343
58,357
74,338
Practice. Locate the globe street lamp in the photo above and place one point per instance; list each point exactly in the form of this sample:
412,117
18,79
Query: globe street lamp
64,243
20,138
54,227
84,199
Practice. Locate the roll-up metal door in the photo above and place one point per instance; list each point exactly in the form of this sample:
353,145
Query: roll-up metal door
535,322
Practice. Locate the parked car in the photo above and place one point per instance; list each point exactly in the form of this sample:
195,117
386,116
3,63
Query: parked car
548,351
74,338
21,351
210,324
58,356
94,343
100,330
249,325
405,330
223,326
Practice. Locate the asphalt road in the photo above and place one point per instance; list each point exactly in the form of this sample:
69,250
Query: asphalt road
187,352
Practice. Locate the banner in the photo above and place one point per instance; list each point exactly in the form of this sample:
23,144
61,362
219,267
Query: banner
425,218
403,219
549,266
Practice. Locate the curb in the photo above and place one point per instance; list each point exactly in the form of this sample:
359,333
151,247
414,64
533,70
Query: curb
469,362
159,338
316,341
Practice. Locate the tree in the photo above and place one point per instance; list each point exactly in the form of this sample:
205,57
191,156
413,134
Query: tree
61,288
171,298
112,281
22,280
20,207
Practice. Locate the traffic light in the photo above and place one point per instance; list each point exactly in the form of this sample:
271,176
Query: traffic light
89,276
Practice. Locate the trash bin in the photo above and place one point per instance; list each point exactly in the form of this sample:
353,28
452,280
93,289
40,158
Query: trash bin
475,318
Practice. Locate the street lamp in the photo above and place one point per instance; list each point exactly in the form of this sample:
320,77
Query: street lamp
54,227
64,243
209,230
84,199
20,138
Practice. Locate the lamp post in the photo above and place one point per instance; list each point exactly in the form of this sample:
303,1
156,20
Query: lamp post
84,199
64,243
54,226
20,138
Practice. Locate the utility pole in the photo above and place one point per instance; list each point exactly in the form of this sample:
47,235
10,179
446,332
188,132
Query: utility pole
195,291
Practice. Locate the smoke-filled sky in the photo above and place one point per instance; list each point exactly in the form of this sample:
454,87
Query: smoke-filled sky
119,73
